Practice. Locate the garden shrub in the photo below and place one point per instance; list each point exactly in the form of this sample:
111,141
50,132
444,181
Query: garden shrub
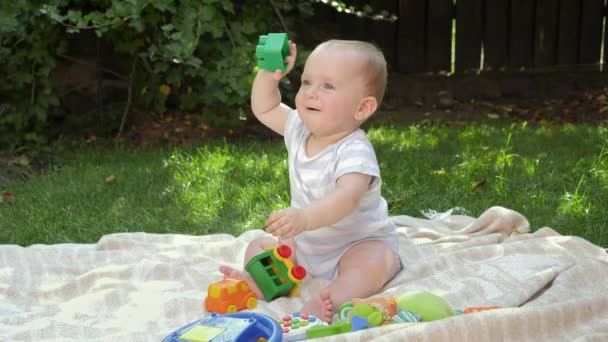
189,55
28,44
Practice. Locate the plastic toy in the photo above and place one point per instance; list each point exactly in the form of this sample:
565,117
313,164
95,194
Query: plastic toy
272,50
404,316
426,305
235,327
275,274
340,327
480,308
294,326
229,295
374,311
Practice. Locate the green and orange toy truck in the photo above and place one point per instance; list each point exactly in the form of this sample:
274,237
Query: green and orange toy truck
275,273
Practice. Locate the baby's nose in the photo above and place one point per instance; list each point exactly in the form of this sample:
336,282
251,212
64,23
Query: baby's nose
311,91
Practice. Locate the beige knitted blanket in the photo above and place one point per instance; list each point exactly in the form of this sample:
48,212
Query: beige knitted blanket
141,287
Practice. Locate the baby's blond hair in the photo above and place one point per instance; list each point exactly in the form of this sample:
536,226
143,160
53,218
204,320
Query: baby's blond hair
374,62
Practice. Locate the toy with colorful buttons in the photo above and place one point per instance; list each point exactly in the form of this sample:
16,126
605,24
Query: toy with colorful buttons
275,273
294,326
339,327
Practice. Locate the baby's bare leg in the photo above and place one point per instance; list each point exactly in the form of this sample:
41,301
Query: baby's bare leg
363,271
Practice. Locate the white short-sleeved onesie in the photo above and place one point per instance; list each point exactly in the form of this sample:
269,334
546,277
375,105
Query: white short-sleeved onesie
320,250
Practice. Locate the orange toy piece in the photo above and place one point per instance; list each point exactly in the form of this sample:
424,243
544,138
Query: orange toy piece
480,308
230,295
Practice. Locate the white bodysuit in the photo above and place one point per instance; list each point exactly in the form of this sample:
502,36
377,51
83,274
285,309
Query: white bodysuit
319,251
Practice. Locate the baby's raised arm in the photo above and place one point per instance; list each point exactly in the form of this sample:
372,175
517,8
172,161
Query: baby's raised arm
266,97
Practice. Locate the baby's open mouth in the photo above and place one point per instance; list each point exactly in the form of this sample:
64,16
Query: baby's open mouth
312,108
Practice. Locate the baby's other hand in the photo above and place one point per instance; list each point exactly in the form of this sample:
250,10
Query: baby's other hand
286,223
290,61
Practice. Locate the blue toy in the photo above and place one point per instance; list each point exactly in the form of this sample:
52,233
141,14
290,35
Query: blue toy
234,327
271,51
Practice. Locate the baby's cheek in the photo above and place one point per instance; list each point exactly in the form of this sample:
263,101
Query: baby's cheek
298,99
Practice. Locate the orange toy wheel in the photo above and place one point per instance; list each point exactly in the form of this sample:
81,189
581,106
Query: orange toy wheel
231,309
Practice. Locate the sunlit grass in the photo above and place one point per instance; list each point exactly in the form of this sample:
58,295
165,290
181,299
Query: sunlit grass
241,182
555,176
574,204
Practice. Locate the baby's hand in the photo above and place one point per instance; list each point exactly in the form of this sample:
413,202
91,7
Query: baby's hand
286,223
289,60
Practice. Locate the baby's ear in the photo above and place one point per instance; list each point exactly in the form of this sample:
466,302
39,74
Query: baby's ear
367,107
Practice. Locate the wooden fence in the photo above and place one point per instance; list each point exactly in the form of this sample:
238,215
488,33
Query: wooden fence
488,34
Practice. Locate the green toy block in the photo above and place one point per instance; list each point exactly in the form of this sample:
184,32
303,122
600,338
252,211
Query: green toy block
340,327
272,50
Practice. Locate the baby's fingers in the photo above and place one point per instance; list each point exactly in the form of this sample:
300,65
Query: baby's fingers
284,234
273,217
293,49
290,60
277,74
276,224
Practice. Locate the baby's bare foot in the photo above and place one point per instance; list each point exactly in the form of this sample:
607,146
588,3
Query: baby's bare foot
320,307
230,272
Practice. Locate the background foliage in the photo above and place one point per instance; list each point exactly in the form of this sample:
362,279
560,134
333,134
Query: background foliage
186,55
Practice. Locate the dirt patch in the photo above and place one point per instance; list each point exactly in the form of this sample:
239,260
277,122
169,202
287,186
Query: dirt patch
414,100
534,97
147,128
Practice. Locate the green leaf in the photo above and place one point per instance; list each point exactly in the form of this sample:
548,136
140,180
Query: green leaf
74,16
208,13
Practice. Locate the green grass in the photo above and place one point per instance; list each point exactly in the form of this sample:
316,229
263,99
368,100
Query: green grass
555,176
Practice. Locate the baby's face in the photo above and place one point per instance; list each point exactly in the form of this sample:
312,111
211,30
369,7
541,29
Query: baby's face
332,89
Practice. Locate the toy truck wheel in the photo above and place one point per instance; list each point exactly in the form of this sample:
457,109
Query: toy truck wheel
298,272
231,309
284,251
251,302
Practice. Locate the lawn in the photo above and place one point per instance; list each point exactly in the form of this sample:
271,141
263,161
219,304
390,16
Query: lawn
556,176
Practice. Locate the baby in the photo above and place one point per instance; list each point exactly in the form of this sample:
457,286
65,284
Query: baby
338,222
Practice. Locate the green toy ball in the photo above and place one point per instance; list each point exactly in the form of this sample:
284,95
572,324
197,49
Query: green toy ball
427,305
